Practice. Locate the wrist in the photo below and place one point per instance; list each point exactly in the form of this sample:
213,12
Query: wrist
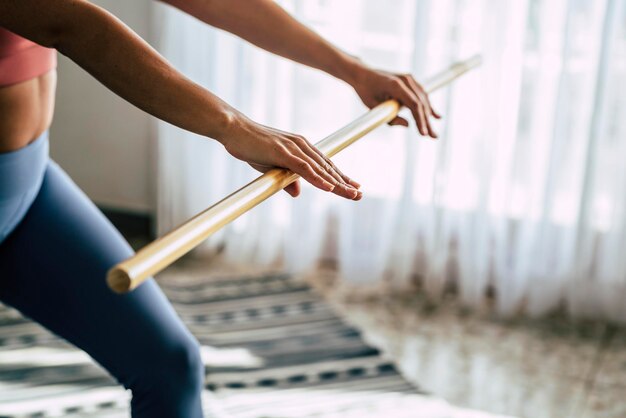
229,124
351,70
225,124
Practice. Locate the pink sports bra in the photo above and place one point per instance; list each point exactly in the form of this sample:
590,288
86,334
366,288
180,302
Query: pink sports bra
22,60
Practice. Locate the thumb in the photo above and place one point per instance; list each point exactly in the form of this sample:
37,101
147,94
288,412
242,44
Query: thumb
293,189
399,121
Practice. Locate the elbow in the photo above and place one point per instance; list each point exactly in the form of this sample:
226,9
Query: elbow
84,26
50,24
66,22
55,33
53,37
76,22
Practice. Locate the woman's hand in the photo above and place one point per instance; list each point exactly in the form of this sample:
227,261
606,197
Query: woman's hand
265,148
374,87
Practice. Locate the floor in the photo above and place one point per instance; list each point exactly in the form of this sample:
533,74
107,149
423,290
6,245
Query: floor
522,368
486,367
273,347
344,399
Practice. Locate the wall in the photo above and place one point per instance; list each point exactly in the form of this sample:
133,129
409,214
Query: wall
103,142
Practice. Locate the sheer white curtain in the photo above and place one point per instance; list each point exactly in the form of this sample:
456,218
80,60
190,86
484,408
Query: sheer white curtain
524,194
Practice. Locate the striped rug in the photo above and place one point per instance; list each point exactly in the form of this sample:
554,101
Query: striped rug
273,348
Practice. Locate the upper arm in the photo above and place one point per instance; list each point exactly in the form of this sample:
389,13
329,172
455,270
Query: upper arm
41,21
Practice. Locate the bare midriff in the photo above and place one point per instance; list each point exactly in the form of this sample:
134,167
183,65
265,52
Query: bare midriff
27,87
26,111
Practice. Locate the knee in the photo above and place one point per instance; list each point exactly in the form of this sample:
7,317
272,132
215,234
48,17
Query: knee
175,369
182,365
173,381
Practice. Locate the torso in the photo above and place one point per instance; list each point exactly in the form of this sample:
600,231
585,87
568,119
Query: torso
26,111
27,89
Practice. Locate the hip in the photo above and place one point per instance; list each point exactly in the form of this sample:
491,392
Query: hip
21,174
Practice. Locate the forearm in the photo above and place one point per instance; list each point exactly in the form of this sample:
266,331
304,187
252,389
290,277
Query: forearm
122,61
266,25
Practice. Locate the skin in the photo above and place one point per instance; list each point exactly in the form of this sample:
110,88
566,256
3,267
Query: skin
116,56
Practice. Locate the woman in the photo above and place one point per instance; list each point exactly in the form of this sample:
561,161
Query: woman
55,246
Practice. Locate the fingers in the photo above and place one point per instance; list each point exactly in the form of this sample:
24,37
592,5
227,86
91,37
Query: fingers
411,101
301,163
417,102
344,185
304,170
325,162
345,181
417,87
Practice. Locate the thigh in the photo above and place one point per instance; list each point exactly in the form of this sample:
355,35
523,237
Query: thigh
53,267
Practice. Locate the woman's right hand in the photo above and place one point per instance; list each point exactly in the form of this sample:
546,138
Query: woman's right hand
265,148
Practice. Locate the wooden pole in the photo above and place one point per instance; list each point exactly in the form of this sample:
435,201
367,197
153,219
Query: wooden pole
159,254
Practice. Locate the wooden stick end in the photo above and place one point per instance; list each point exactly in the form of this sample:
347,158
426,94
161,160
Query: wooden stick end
118,280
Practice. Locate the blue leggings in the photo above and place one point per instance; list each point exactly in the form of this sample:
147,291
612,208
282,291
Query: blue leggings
55,249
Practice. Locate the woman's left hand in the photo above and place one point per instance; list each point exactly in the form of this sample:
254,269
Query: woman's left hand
374,87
